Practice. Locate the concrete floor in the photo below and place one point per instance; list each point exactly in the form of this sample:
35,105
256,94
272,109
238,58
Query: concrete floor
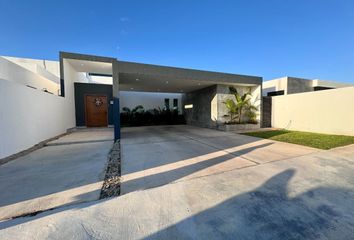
69,170
212,185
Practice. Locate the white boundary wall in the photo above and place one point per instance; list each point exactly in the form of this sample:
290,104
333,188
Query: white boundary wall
29,116
329,111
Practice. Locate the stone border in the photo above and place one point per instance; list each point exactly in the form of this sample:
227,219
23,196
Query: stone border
111,184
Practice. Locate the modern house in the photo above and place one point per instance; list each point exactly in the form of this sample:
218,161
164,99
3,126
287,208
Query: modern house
291,85
42,99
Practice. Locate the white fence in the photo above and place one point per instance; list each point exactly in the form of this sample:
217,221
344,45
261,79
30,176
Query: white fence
329,111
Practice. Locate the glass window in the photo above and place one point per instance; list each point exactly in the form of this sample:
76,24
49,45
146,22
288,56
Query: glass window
167,103
175,104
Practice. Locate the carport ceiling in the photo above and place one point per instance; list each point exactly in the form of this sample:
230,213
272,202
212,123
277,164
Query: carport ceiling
154,78
156,83
91,66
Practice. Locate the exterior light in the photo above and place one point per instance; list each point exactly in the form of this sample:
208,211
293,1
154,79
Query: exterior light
188,106
137,79
166,82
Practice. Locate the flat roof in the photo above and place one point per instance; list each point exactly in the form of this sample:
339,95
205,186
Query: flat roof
154,78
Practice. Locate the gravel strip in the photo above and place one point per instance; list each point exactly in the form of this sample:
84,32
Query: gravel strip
111,184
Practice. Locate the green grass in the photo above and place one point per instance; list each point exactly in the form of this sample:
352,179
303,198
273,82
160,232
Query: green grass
315,140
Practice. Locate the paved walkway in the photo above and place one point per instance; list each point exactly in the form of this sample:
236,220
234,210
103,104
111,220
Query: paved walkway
69,170
270,191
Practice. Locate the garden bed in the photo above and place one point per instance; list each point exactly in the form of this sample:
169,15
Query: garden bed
238,127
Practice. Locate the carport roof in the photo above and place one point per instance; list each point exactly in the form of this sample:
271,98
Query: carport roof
154,78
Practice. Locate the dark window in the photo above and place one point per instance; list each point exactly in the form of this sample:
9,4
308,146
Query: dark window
175,103
275,93
167,103
319,88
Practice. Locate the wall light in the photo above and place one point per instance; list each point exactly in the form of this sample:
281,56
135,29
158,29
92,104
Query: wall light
188,106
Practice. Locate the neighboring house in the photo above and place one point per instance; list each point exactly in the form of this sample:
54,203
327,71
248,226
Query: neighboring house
42,99
291,85
302,105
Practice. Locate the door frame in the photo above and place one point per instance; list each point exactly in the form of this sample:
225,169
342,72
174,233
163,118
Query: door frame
85,103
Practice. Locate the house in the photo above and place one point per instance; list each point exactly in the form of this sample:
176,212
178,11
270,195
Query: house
43,99
291,85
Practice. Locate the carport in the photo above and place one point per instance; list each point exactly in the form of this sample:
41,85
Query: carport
203,91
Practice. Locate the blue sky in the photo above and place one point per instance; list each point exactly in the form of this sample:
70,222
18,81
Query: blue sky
273,38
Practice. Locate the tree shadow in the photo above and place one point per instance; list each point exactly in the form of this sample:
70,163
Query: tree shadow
269,213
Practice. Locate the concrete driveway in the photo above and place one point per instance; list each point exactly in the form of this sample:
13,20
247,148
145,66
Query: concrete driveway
193,183
68,170
154,156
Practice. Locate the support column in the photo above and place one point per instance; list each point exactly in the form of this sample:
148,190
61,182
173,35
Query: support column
116,111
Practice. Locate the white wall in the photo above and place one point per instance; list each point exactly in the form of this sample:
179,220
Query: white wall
149,100
31,64
330,111
275,85
102,80
16,73
29,116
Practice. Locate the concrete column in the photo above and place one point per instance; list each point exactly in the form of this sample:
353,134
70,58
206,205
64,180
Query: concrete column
116,112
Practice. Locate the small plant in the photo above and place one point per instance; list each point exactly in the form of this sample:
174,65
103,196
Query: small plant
241,107
138,116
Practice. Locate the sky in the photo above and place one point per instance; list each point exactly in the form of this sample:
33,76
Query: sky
269,38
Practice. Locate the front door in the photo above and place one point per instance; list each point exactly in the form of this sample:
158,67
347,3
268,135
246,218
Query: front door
96,111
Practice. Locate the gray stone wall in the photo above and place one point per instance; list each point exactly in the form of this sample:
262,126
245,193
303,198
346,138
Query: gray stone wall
200,114
208,107
298,85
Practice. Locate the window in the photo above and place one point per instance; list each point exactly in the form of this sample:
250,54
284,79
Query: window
167,103
275,93
175,104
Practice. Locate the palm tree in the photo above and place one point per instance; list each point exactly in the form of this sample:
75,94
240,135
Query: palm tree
242,105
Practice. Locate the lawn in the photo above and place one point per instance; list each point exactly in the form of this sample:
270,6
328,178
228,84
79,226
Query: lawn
315,140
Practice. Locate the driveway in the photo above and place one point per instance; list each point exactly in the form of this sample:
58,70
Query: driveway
154,156
194,183
68,170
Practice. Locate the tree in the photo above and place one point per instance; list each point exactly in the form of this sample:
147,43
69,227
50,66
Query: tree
242,105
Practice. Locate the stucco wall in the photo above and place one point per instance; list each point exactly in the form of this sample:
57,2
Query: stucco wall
328,111
29,116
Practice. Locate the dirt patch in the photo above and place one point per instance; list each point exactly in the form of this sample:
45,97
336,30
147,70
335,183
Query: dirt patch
111,184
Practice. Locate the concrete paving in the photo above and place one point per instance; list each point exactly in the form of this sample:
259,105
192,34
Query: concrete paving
154,156
305,195
66,171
